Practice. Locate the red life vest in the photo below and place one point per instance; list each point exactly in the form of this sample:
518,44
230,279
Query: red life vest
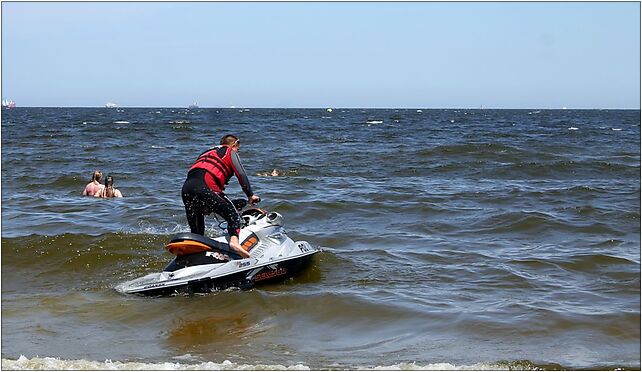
218,165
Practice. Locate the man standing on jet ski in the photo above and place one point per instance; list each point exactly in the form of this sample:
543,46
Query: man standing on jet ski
203,189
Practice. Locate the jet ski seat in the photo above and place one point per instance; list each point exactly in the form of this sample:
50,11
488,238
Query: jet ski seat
187,243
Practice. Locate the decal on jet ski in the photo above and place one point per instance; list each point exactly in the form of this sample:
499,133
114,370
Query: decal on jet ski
243,264
154,285
218,255
250,242
270,274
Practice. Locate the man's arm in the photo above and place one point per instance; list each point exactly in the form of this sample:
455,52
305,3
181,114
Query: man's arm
239,171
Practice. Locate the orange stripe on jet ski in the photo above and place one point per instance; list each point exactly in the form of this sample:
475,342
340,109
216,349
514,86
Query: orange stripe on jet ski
186,247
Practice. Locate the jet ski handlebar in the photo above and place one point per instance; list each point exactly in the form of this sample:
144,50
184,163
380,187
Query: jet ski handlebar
239,204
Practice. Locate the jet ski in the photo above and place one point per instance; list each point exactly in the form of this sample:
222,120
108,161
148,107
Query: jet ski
204,264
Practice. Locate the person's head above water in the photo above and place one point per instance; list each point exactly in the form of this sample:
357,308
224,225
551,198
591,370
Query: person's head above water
110,190
96,176
231,141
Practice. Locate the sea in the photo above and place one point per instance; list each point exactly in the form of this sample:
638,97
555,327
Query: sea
463,239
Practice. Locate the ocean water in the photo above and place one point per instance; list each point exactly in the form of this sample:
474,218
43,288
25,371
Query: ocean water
451,239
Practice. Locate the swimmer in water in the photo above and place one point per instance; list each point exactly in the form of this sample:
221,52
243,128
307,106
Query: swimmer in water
94,186
109,191
274,173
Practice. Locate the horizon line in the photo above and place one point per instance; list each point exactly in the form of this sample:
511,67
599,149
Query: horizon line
341,108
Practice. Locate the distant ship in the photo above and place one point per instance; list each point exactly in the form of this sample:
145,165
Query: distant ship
193,105
8,103
111,105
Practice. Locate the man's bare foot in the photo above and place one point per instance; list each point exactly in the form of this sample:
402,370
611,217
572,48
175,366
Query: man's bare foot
234,244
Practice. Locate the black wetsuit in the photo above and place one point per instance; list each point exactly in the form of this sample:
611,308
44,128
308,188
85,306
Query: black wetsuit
203,194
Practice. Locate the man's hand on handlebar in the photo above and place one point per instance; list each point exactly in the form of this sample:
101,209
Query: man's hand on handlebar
254,199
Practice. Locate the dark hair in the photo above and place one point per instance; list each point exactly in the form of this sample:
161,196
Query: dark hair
109,187
229,139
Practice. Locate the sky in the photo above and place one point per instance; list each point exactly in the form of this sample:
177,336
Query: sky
322,54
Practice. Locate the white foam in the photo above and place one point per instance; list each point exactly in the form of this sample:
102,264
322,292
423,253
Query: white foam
441,367
37,363
121,122
47,363
212,229
148,228
573,128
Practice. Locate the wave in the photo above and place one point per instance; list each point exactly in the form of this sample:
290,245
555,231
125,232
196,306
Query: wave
50,363
501,169
536,223
612,275
506,160
66,255
493,150
81,261
563,169
591,262
426,223
518,222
